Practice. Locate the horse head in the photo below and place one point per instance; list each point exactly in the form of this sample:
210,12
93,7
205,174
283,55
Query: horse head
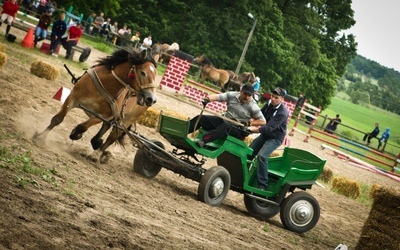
203,61
143,75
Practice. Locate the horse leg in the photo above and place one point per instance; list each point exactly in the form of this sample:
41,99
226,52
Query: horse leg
96,141
112,137
55,121
78,131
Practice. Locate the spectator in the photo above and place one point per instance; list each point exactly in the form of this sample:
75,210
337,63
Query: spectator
51,6
300,101
74,33
105,28
57,32
121,33
135,40
89,22
332,125
271,135
257,84
113,33
240,106
41,28
9,10
374,133
147,42
41,9
385,137
27,4
98,22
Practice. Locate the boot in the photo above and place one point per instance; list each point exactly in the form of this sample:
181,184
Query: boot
8,29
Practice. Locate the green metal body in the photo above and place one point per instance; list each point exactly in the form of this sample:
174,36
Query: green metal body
296,168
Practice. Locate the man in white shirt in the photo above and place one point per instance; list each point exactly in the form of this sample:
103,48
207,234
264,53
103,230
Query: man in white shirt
147,42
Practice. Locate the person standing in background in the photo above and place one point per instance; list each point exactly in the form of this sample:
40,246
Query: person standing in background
89,22
9,10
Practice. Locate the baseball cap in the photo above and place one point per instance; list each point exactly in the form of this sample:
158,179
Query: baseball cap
279,91
248,89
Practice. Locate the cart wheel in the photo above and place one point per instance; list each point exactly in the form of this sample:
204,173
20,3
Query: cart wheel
214,186
264,209
300,212
85,54
143,165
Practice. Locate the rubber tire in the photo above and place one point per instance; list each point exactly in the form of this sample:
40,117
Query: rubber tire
144,166
291,205
263,209
85,54
206,182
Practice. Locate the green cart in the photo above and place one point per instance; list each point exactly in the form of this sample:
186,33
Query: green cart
289,175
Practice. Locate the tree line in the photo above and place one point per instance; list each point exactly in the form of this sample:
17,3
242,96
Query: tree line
372,83
297,44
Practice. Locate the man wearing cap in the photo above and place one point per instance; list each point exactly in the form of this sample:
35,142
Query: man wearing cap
271,135
74,33
240,107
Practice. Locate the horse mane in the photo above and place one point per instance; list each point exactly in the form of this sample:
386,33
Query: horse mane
124,55
207,61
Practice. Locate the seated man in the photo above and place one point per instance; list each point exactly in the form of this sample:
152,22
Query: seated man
331,127
74,33
271,135
240,106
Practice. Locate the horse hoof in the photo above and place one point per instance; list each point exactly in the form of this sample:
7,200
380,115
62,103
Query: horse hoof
75,136
96,144
104,157
38,139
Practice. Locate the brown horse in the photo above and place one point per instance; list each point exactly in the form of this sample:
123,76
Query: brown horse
219,76
119,89
163,52
236,81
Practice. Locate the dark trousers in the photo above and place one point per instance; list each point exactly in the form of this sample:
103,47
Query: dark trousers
216,128
368,137
54,42
68,45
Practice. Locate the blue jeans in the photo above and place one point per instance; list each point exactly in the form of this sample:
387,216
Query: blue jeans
262,148
42,33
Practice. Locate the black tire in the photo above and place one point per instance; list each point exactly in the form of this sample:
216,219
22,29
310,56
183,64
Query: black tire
214,186
85,54
143,165
263,209
300,212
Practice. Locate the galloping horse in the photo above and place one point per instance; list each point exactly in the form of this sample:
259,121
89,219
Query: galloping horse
219,76
119,89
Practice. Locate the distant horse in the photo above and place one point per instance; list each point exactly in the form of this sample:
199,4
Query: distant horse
162,52
236,81
219,76
119,88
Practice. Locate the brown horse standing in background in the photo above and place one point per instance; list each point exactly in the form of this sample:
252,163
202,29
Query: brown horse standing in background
219,76
119,89
236,81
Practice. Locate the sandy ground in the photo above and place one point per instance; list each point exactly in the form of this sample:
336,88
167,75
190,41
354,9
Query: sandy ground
83,205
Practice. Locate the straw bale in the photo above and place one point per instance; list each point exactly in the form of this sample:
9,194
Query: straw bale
151,117
45,70
375,187
326,175
346,187
381,230
3,59
2,47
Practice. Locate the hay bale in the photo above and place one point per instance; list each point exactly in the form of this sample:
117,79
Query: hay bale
346,187
326,175
2,47
381,230
3,59
375,187
45,70
151,117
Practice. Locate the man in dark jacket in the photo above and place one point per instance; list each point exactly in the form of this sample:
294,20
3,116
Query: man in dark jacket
271,135
57,32
374,133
